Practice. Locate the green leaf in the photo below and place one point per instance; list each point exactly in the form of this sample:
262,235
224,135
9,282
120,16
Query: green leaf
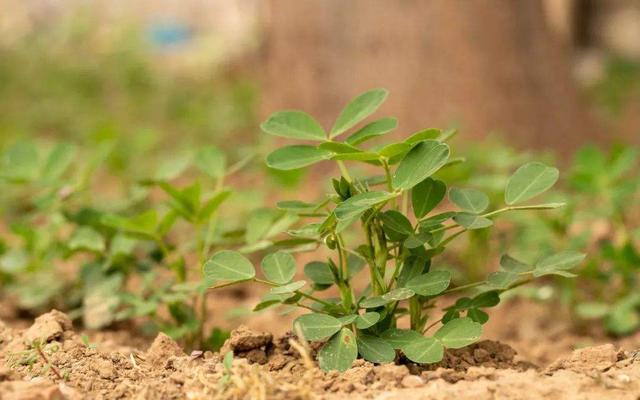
529,181
358,109
422,161
296,206
279,267
511,264
425,134
459,333
348,319
424,350
374,302
122,245
86,238
367,320
298,156
593,310
375,349
399,294
142,224
20,162
400,338
211,161
263,305
289,288
486,299
259,223
171,168
185,201
357,156
394,149
354,206
227,265
340,352
426,195
339,148
317,326
558,264
319,273
396,225
623,318
58,161
372,130
294,125
472,221
471,200
212,205
502,279
431,283
478,316
436,220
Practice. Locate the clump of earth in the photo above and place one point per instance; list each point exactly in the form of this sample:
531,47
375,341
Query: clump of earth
50,360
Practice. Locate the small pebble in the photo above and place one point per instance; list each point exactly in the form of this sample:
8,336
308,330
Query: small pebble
411,381
624,378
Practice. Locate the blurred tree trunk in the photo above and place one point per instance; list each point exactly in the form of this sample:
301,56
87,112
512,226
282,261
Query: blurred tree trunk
487,66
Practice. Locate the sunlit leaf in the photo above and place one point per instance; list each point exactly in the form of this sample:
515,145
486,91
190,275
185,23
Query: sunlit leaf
279,267
297,156
358,109
293,125
354,206
227,265
425,159
317,326
424,350
372,130
529,181
431,283
367,320
459,333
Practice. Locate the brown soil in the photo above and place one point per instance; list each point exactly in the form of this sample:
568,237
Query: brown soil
281,368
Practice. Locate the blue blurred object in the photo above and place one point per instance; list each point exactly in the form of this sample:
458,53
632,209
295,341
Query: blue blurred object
169,34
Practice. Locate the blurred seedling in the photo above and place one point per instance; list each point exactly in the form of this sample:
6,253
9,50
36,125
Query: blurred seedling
37,351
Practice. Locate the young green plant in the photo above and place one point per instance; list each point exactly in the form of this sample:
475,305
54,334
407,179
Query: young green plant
398,247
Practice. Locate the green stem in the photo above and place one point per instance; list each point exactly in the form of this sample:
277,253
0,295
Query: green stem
303,294
344,171
464,287
450,238
346,293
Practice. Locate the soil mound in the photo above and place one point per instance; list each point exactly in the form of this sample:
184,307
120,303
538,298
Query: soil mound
49,360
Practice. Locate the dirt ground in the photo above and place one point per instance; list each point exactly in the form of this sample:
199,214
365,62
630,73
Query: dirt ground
538,356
